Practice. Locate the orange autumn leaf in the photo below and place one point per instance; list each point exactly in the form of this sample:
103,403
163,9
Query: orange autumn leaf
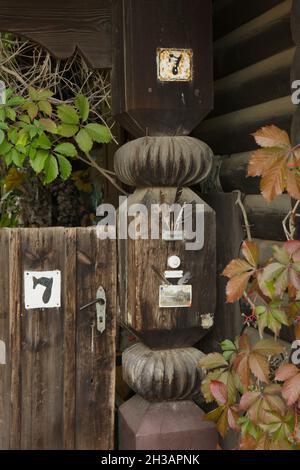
276,163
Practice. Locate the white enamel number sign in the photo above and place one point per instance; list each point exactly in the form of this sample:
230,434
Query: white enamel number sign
42,289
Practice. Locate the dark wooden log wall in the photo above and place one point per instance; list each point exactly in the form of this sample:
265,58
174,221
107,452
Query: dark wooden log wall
256,48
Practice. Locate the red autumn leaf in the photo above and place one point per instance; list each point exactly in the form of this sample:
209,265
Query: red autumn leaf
261,160
291,390
232,417
237,267
250,251
285,372
293,182
248,399
259,367
236,287
273,182
293,249
272,136
219,392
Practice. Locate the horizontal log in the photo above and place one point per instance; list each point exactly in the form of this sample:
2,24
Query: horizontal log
230,14
256,40
231,133
295,21
266,218
233,174
258,83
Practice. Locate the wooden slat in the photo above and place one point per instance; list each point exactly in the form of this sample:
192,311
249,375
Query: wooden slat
266,218
233,174
42,348
61,27
95,352
4,336
231,133
15,311
295,21
230,14
69,299
256,40
261,82
228,319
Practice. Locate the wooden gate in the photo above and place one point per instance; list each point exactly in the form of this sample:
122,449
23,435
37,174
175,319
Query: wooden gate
57,372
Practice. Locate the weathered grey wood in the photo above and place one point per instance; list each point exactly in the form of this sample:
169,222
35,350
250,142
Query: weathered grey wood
266,218
4,336
61,27
256,40
95,352
230,14
55,392
231,133
263,81
15,310
233,174
168,374
230,235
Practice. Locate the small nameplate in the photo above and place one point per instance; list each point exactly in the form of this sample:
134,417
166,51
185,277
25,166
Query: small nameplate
175,296
173,274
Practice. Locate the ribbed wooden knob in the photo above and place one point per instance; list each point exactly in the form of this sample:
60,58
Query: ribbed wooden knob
171,374
163,161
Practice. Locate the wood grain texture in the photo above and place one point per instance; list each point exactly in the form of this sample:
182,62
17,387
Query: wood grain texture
143,259
141,103
230,235
253,41
47,402
95,352
233,174
62,27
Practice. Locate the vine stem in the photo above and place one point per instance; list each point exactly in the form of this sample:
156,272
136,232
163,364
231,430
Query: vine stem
107,174
290,219
239,203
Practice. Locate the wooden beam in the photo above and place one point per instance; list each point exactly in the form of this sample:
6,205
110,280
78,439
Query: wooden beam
231,133
266,218
230,14
233,174
254,41
61,27
258,83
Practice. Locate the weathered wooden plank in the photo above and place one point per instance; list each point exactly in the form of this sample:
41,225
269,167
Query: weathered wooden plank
295,21
70,307
5,337
256,40
266,218
61,27
233,174
15,311
228,319
230,14
42,358
258,83
95,352
231,133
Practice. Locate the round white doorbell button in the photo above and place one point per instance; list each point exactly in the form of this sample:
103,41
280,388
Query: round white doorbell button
174,262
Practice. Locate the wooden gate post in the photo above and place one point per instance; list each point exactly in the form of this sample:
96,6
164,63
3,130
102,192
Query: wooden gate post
162,88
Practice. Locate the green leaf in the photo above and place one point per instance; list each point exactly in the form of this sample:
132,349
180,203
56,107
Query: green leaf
22,138
24,118
50,169
67,114
2,114
39,160
32,110
82,104
13,135
65,167
11,114
45,107
16,101
67,149
2,136
213,361
49,125
84,141
3,126
43,142
17,158
5,147
39,95
99,133
67,130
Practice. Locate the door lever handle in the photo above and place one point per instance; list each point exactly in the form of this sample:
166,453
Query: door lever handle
100,303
